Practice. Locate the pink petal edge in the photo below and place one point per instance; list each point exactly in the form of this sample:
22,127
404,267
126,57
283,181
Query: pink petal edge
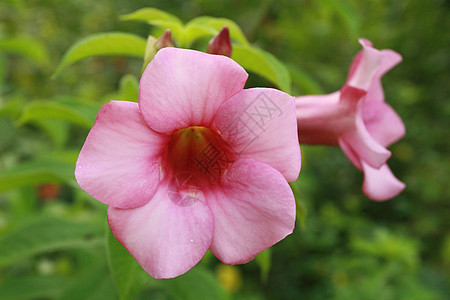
382,122
380,184
364,146
119,162
253,208
261,124
365,66
167,237
182,88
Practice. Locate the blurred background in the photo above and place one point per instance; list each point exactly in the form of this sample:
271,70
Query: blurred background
52,235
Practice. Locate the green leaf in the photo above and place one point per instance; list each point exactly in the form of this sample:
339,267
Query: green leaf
80,113
129,88
95,284
389,246
150,51
128,276
8,136
302,80
204,26
53,167
192,32
22,203
12,107
152,16
264,260
101,44
185,35
301,214
27,47
157,18
37,287
196,284
349,16
44,234
56,130
263,64
3,72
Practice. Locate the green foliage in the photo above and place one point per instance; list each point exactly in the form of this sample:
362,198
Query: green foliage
128,276
128,88
27,47
44,234
111,43
94,285
185,35
195,284
36,287
388,246
264,260
209,26
76,112
344,246
158,18
51,167
264,64
250,57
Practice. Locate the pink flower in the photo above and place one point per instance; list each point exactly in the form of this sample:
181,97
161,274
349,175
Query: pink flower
198,164
357,119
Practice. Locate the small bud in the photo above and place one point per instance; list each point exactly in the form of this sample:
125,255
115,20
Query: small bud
221,44
165,40
154,45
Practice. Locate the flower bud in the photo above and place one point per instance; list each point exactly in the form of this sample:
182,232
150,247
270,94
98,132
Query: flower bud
154,45
221,43
165,40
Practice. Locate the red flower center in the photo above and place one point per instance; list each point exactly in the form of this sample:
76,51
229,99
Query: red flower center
197,156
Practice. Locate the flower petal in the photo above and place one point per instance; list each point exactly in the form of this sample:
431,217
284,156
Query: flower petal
364,66
318,119
167,236
351,155
350,97
119,162
389,60
253,209
363,145
182,88
382,122
261,124
380,184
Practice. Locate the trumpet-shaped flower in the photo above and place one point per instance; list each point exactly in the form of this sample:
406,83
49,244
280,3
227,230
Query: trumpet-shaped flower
200,163
357,119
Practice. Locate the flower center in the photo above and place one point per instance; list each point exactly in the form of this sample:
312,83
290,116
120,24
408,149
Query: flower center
197,156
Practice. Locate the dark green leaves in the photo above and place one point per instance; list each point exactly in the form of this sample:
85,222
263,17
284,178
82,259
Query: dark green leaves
37,287
96,284
43,234
195,284
52,167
